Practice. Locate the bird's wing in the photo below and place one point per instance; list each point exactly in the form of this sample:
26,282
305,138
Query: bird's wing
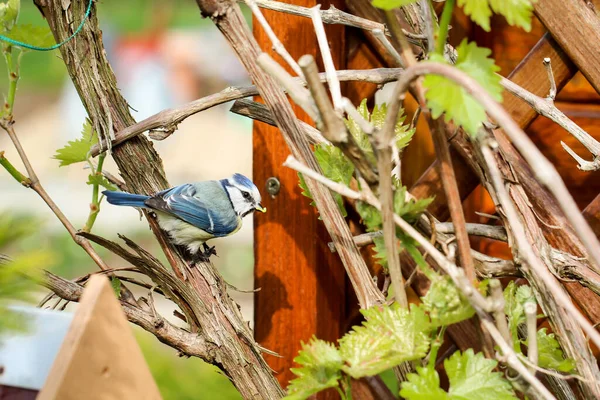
184,203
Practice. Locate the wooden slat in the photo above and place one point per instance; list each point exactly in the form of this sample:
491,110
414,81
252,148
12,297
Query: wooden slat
302,283
99,358
576,27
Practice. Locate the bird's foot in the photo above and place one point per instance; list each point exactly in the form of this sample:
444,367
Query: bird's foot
208,250
204,256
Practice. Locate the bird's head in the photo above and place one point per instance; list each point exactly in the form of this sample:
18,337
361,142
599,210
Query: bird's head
244,195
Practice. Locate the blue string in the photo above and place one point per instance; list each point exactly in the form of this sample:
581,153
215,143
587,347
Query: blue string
53,47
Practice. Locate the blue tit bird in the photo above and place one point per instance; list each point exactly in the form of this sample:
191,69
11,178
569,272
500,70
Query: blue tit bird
196,212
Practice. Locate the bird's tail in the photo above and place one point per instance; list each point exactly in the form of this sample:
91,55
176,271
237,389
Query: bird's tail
125,199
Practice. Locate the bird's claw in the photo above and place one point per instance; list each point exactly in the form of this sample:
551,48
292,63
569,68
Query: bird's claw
209,250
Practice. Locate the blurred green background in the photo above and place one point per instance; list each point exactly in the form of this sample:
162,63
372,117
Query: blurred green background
183,56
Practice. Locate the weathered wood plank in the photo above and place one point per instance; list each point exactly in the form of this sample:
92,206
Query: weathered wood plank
99,358
576,27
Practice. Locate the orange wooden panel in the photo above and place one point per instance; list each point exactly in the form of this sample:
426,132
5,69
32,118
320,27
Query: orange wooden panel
302,283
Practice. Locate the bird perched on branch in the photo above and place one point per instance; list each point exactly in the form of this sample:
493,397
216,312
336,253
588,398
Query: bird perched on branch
195,212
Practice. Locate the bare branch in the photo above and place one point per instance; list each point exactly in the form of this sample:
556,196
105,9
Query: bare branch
295,90
260,112
332,80
335,16
379,35
277,45
548,65
498,306
188,343
333,127
531,322
546,108
169,118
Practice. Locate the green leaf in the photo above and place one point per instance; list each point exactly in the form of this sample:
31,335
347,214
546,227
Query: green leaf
424,385
100,180
515,298
78,150
389,336
516,12
550,355
402,132
335,166
391,4
320,368
471,377
409,210
380,251
370,216
116,285
446,97
40,36
444,302
9,12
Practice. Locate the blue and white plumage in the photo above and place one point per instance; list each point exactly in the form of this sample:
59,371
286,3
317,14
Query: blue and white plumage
196,212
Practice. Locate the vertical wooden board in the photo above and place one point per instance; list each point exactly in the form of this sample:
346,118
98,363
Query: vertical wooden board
99,358
302,283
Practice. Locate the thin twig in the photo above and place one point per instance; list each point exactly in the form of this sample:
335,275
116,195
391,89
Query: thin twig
548,65
295,90
546,108
335,16
498,306
260,112
277,45
379,35
366,126
530,309
332,80
332,125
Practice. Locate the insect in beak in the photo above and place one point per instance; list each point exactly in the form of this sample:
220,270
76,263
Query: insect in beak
260,208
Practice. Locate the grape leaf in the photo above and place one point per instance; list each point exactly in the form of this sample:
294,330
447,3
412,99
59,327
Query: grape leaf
424,385
403,133
335,166
515,298
78,150
101,181
516,12
550,355
409,210
320,368
471,377
40,36
446,97
444,302
389,336
9,12
391,4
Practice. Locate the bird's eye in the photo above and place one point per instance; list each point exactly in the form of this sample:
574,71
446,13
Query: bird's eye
246,195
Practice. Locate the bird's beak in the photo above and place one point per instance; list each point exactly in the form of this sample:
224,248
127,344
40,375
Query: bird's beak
260,208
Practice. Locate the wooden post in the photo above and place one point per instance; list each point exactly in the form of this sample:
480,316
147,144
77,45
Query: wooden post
302,283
